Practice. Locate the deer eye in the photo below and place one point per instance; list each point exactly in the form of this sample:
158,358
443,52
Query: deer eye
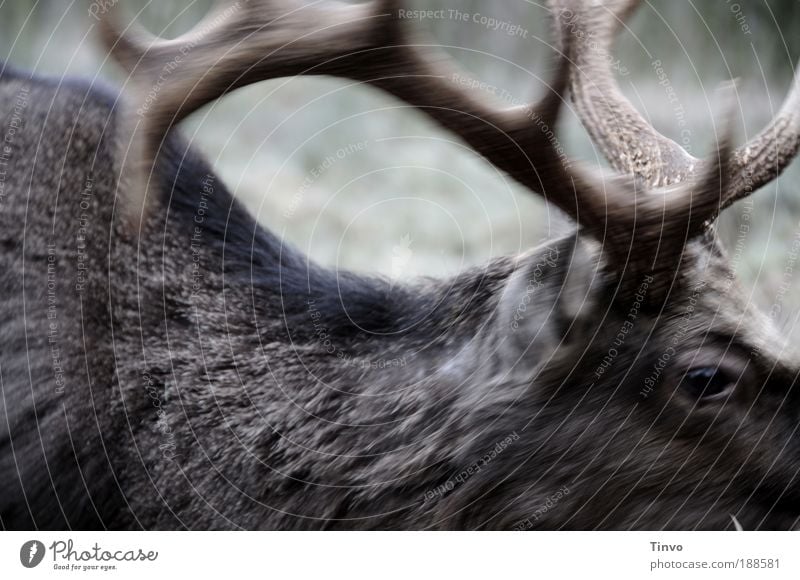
707,382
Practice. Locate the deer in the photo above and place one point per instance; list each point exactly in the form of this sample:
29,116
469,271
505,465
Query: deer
168,363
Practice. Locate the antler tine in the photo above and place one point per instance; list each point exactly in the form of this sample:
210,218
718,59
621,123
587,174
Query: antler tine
647,228
704,194
630,143
765,156
645,223
236,44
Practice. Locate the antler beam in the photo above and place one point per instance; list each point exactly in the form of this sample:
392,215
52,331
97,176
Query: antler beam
242,43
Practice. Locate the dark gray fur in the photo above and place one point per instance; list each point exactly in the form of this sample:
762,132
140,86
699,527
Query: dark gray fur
295,397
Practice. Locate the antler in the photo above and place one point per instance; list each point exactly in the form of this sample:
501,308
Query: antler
243,42
240,43
630,143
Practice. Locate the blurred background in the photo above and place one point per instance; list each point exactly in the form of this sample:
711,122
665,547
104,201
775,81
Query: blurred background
357,180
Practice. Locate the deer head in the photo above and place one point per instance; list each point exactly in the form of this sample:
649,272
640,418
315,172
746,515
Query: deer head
638,377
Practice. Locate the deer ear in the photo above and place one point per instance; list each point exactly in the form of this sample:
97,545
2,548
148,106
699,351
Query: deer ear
580,287
548,297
